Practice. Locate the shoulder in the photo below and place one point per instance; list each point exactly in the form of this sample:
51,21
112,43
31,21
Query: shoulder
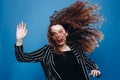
74,48
47,46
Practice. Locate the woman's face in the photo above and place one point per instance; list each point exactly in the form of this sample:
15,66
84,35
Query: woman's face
59,34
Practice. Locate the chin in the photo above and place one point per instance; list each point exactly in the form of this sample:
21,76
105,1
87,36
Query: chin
61,44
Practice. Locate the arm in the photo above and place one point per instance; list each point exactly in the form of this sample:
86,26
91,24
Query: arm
20,54
90,65
35,56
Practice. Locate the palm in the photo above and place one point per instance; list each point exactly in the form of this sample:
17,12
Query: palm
21,31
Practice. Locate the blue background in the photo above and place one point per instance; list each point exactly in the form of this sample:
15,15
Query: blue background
36,14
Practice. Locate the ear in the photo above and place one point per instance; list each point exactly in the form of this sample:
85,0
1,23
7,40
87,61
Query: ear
66,33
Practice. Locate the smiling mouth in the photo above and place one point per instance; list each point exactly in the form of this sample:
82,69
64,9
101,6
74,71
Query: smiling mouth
60,41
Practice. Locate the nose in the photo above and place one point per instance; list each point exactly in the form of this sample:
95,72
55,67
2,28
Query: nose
58,36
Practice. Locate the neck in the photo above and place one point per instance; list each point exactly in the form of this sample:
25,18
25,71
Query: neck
64,47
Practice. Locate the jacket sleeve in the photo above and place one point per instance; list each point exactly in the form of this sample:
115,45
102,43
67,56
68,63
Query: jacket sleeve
89,64
35,56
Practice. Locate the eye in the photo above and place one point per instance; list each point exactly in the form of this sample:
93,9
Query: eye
61,31
53,34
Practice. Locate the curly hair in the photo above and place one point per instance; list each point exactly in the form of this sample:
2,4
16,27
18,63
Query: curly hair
81,21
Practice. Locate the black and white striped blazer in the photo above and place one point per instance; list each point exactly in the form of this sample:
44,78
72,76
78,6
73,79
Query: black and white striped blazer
45,56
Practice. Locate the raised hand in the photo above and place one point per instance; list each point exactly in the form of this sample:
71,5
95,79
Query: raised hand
21,32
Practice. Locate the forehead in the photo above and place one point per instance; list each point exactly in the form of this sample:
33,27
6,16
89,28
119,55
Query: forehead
55,28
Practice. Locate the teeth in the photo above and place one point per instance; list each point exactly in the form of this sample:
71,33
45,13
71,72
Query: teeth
60,40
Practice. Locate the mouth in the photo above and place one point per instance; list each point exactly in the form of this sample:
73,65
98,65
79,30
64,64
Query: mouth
60,41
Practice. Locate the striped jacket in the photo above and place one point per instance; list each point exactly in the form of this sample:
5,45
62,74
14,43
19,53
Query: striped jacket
45,56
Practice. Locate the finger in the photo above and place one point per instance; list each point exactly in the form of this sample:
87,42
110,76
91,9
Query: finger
92,72
99,73
96,73
20,26
22,23
24,26
26,31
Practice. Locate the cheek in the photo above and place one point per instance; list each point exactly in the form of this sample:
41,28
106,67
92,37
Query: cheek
54,38
65,35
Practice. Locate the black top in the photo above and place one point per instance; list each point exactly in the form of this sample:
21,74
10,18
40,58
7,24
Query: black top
68,67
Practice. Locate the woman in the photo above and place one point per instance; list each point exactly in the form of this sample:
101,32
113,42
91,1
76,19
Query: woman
70,35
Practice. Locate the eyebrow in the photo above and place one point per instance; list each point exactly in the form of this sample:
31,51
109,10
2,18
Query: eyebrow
58,30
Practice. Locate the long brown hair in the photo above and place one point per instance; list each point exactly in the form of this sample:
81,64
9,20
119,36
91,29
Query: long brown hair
81,21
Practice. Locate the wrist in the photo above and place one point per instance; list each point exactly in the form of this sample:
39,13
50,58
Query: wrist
19,42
